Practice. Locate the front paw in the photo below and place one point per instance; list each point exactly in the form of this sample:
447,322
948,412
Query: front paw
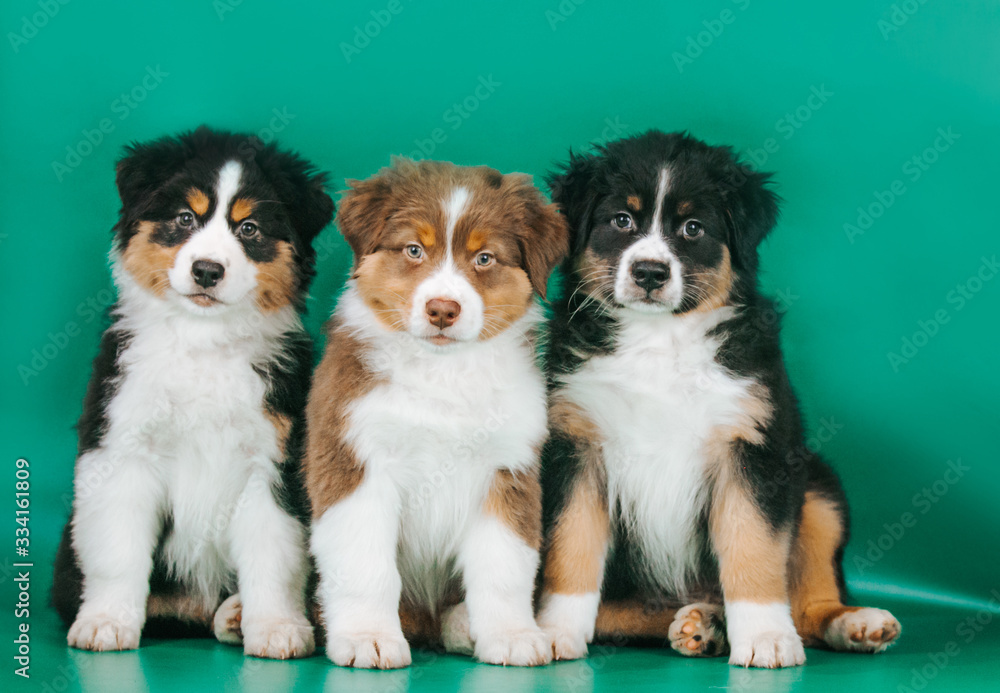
768,650
520,648
386,650
101,633
278,639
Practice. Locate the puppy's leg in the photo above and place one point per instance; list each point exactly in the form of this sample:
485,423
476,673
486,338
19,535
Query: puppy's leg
577,534
817,606
116,523
269,548
499,559
753,553
574,570
355,542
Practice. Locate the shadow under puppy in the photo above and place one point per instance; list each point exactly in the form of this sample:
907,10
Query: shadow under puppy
427,415
677,468
187,485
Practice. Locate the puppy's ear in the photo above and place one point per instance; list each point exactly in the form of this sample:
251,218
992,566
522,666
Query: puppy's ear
547,239
302,189
752,208
364,209
142,170
572,189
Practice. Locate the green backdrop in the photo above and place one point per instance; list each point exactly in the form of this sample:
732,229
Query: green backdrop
879,120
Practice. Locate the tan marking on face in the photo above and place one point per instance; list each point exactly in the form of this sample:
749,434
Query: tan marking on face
516,500
197,201
715,285
506,301
147,261
242,208
634,202
276,280
634,619
815,594
597,275
282,429
386,280
332,470
426,234
752,556
476,240
685,208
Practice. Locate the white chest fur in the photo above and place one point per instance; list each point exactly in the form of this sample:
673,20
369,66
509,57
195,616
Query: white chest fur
188,419
656,401
440,425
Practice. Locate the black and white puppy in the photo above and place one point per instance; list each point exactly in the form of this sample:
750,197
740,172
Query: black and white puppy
677,466
187,487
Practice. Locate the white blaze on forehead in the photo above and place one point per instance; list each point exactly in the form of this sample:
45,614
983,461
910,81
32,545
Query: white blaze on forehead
662,185
229,183
454,207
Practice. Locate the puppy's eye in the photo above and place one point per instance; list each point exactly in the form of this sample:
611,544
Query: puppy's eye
249,230
484,259
693,229
185,219
623,221
413,251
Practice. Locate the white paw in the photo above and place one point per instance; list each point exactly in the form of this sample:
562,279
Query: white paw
699,630
102,633
368,650
455,630
568,620
278,639
863,630
566,644
520,648
226,623
768,650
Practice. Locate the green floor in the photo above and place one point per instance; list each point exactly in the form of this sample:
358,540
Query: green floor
940,650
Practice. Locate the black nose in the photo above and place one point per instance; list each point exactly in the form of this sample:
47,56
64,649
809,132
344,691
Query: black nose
207,273
650,275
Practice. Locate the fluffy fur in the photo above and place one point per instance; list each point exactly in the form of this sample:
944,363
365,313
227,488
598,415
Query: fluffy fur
187,485
676,437
427,415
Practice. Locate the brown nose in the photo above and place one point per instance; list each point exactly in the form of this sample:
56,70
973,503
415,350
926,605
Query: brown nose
442,312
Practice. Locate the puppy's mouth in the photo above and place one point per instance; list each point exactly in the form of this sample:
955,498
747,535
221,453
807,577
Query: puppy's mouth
203,300
441,339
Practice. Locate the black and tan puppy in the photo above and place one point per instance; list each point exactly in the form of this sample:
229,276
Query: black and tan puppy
187,489
677,467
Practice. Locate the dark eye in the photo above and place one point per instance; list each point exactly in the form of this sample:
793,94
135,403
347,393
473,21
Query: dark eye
693,229
623,221
185,219
248,230
484,259
414,251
